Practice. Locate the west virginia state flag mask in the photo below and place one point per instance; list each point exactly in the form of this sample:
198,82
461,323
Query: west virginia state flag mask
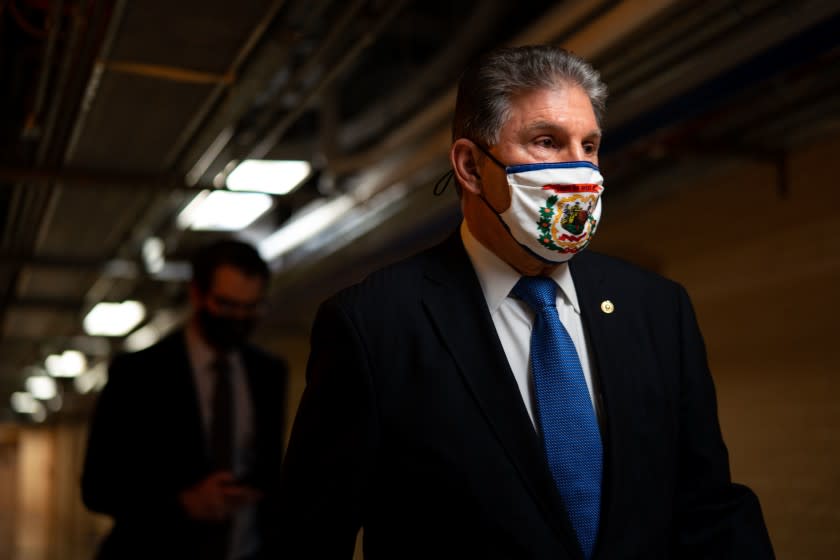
554,207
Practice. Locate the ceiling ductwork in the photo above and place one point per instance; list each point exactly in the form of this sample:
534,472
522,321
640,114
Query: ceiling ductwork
116,114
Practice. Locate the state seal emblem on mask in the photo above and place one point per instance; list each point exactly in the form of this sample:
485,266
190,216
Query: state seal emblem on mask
566,224
563,201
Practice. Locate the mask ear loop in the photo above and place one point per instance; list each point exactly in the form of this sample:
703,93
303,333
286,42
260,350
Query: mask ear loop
446,178
487,153
443,182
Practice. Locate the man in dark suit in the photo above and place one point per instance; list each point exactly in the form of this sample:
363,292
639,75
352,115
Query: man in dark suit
508,394
187,435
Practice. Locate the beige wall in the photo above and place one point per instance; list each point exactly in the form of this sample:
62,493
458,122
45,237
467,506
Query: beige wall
41,514
8,489
764,273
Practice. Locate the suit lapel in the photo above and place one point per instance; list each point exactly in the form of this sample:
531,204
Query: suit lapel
186,400
607,339
265,403
455,303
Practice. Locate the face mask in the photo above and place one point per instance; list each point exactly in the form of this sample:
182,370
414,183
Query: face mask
223,332
554,207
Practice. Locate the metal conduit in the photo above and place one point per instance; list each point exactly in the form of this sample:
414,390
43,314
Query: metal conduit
212,99
273,136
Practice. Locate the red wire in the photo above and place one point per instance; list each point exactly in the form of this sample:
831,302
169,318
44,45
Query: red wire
25,25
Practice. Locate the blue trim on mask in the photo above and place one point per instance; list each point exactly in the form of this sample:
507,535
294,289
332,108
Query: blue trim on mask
556,165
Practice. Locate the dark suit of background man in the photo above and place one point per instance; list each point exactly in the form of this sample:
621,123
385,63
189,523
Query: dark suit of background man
188,434
419,421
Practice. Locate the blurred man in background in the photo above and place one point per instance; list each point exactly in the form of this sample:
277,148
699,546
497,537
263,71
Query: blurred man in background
188,433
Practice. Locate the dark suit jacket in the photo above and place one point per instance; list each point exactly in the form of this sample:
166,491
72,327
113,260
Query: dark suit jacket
146,444
412,426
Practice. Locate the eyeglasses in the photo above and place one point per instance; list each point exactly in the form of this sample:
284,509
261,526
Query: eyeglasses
227,305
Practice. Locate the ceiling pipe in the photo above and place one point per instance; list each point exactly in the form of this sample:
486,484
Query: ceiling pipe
220,144
790,53
38,197
97,180
212,99
447,61
94,80
32,201
94,22
79,24
47,304
53,261
311,65
748,37
271,138
54,30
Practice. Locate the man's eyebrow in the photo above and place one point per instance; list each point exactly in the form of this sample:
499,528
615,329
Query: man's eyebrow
548,125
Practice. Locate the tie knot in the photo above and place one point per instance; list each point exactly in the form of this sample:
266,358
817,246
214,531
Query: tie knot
538,292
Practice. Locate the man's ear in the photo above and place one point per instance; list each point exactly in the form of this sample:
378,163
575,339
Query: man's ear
462,156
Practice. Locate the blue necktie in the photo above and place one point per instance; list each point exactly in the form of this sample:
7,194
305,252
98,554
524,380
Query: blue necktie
570,434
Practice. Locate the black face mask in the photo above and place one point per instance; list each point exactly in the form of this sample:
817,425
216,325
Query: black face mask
224,332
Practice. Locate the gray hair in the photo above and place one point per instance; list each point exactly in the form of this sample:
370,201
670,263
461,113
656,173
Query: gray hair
487,85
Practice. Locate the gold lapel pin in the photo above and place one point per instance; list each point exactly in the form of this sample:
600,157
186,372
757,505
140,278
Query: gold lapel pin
607,306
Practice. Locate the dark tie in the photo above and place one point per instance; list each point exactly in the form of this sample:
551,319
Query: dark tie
221,424
569,428
217,542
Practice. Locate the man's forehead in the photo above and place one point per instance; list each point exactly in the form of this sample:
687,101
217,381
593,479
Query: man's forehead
546,108
230,278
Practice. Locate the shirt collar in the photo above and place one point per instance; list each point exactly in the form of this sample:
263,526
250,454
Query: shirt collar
497,278
201,354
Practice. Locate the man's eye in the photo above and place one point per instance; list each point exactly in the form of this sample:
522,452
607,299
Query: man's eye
590,149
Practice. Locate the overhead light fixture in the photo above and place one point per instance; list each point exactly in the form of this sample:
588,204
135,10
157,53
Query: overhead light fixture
301,228
42,387
25,403
153,254
268,176
114,319
141,338
160,325
93,379
223,210
70,363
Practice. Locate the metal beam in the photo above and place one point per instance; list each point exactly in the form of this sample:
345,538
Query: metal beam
52,304
9,176
53,261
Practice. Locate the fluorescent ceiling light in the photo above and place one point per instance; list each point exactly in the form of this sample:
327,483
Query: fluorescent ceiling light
41,387
114,319
164,321
70,363
153,254
268,176
141,338
301,228
24,403
223,210
93,379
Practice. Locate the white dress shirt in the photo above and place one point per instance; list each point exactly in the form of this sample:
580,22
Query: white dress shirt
245,538
514,320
